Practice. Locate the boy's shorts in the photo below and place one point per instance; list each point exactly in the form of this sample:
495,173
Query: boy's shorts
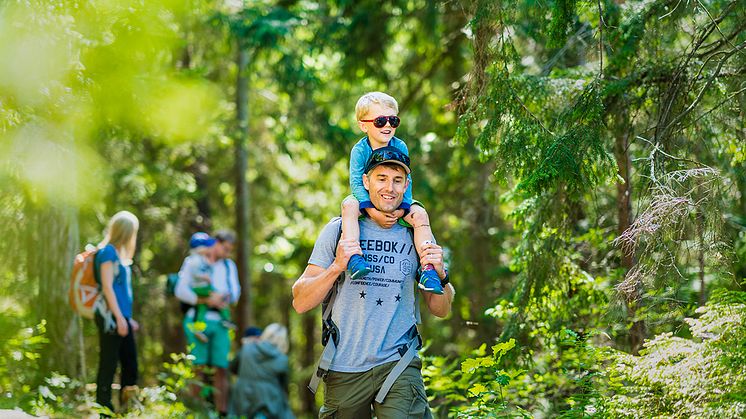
215,351
203,291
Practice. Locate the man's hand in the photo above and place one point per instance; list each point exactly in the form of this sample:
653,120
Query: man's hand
384,219
433,254
345,249
217,300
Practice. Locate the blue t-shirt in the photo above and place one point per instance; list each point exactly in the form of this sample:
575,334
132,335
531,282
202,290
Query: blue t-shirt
122,278
358,157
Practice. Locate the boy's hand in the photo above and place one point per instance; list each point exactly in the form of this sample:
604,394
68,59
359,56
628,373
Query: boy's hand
385,220
398,213
345,249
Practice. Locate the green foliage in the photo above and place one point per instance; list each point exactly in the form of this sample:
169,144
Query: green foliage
19,366
698,377
480,379
24,385
563,18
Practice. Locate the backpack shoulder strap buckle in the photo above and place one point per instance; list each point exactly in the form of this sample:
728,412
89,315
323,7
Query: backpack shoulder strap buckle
329,329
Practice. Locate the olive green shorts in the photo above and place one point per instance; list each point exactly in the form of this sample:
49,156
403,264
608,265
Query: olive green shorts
351,395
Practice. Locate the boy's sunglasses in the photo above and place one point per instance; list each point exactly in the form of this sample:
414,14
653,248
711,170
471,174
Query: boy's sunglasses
380,121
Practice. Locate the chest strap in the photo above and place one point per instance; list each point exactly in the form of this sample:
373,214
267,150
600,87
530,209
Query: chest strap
410,351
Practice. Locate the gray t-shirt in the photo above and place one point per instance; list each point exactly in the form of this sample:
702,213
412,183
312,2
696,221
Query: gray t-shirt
375,312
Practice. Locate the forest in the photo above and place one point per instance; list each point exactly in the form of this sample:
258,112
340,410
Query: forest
583,164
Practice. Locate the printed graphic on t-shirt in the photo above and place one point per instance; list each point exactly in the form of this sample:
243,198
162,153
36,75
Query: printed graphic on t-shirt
390,263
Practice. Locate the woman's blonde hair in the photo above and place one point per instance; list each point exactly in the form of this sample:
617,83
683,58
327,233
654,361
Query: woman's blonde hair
277,335
363,104
121,233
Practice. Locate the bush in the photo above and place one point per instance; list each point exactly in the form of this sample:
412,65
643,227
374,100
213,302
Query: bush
679,378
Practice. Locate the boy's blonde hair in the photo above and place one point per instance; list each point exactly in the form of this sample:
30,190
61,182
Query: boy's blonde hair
363,104
122,233
277,335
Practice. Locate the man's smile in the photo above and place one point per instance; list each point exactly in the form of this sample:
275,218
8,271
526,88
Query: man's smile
388,197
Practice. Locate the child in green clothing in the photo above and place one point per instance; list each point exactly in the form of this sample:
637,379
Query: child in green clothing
200,273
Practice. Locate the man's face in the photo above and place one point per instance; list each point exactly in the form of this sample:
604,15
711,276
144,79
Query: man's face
378,136
386,186
223,250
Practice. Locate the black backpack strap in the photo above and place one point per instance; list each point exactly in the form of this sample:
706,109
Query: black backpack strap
328,328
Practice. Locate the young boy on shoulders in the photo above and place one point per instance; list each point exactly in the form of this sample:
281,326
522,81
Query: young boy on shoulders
376,113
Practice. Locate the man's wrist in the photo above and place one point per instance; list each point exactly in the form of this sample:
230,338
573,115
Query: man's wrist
336,269
445,280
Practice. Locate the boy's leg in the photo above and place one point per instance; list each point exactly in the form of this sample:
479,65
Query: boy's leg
199,313
351,231
225,314
225,319
418,218
200,310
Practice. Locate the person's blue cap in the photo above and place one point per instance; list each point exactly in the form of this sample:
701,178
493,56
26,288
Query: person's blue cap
201,239
252,331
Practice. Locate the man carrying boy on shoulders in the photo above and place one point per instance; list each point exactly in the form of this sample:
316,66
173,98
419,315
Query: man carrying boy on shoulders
374,316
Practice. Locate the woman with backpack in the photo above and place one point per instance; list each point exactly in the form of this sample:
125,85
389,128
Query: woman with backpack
261,390
114,318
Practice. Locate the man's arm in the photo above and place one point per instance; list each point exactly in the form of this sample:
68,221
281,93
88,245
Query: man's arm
183,290
233,277
439,305
314,284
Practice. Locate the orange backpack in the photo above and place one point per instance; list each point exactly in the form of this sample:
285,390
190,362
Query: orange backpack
84,290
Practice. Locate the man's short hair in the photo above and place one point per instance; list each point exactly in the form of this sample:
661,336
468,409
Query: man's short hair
364,103
225,236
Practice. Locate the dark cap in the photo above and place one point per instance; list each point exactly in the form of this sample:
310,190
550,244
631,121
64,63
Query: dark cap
388,154
252,331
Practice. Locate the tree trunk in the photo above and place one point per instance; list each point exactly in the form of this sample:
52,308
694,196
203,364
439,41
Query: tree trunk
200,171
245,316
53,241
624,216
308,359
701,256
